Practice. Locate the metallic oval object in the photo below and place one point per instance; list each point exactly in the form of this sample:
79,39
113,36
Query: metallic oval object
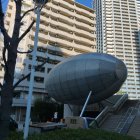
71,80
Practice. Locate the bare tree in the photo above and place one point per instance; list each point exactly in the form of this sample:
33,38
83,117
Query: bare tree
9,53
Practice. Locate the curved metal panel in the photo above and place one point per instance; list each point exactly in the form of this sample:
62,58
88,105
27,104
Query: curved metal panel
71,80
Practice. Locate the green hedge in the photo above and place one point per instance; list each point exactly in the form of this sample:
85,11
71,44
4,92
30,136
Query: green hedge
73,134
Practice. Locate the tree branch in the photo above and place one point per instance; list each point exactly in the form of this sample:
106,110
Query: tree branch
16,28
40,66
15,1
6,42
4,57
24,77
1,86
24,52
2,28
20,80
1,15
28,29
5,34
27,12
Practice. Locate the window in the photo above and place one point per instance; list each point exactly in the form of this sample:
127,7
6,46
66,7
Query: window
41,59
10,7
73,121
29,56
38,79
48,70
40,49
19,59
41,69
51,61
8,14
0,68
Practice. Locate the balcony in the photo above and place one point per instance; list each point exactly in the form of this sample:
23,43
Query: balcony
40,43
85,33
44,27
67,4
86,19
62,41
42,36
48,13
55,57
84,40
37,85
50,30
64,10
69,52
83,47
20,102
68,19
84,11
61,32
64,25
84,25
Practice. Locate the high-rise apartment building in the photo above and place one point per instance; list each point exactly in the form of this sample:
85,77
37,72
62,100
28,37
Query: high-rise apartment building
118,28
138,12
67,28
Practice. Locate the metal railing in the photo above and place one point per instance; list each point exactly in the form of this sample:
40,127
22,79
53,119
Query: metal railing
105,112
126,121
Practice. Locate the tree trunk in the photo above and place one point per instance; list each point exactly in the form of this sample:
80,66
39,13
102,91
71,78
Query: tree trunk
6,101
10,45
7,94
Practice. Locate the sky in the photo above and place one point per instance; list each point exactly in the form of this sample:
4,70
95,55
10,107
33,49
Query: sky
84,2
4,4
87,3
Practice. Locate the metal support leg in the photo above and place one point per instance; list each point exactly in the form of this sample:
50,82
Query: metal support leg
84,107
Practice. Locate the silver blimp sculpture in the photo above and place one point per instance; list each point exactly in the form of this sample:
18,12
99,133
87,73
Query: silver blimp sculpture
71,81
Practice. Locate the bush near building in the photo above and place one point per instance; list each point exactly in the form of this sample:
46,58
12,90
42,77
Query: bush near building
44,111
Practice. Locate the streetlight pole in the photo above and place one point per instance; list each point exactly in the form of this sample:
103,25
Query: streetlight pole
39,4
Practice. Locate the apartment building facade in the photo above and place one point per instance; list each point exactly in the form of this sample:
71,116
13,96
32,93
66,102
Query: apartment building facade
117,23
66,28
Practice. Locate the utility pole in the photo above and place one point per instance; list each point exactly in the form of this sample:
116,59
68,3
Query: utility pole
39,4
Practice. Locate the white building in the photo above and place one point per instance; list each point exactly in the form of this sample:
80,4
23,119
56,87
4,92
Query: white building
66,28
118,28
